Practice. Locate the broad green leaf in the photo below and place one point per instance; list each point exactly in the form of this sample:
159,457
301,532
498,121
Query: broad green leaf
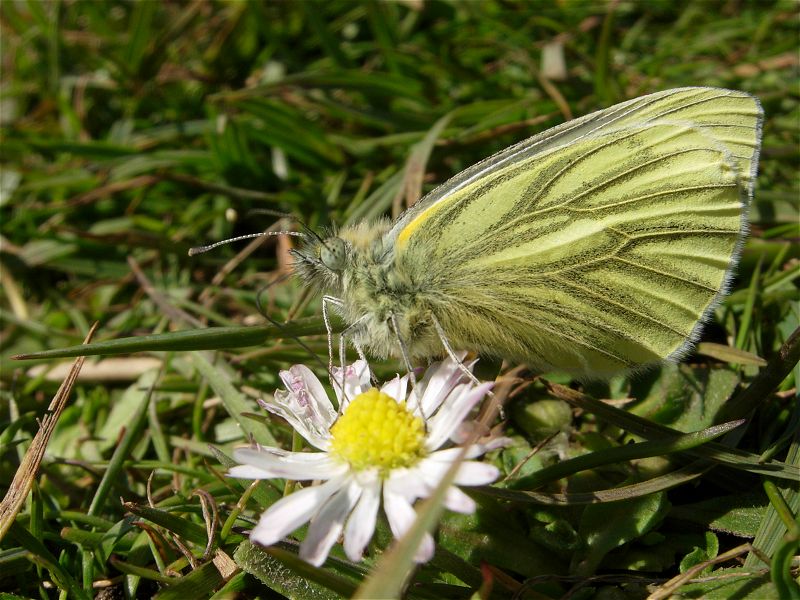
684,397
604,527
485,537
738,514
700,554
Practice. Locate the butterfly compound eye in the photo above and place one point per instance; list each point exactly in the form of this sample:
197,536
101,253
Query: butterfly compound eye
333,254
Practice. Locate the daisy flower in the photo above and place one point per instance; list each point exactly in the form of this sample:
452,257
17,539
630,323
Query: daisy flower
383,445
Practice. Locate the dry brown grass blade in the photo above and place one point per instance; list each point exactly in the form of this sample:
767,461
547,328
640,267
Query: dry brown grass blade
670,587
29,467
113,369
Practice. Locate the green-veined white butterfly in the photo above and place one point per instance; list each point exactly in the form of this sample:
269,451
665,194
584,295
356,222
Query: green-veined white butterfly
597,246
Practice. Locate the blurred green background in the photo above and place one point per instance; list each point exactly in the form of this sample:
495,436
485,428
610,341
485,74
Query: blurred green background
132,131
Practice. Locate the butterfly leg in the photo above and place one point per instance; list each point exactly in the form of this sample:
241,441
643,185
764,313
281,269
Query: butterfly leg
407,360
451,353
343,358
332,300
362,356
343,336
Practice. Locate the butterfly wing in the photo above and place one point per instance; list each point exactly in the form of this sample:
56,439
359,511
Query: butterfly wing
597,246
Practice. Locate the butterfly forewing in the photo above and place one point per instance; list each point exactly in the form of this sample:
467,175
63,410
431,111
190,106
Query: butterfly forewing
600,245
731,117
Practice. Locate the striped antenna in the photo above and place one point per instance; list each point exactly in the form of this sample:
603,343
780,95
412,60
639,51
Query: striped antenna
201,249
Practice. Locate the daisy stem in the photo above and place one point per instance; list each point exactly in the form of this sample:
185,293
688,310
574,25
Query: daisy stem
229,522
297,446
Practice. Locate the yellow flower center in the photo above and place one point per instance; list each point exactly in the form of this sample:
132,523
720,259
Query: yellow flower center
377,431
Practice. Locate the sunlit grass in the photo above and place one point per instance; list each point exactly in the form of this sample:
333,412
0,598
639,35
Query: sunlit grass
134,131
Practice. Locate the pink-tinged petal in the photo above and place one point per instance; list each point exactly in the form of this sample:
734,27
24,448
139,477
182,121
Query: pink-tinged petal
290,512
396,388
484,446
356,381
328,523
304,405
302,416
452,412
401,517
361,523
439,381
261,463
301,381
466,431
492,444
458,501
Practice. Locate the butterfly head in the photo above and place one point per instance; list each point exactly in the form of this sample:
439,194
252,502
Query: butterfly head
321,260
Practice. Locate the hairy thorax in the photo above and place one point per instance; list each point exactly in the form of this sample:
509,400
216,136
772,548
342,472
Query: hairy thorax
379,292
385,302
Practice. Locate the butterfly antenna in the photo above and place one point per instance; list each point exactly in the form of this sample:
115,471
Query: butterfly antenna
200,249
312,233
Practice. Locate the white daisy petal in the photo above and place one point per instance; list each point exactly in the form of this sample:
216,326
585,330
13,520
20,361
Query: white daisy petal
458,404
401,516
290,512
356,381
446,455
458,501
361,523
476,473
433,469
470,472
439,381
396,388
249,472
299,466
328,523
475,450
410,484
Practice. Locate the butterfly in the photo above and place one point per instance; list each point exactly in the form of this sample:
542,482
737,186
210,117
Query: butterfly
596,247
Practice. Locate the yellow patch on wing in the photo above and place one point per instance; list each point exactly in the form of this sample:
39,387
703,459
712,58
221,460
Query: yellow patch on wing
408,230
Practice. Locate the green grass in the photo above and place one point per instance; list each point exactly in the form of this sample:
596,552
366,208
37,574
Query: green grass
134,131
